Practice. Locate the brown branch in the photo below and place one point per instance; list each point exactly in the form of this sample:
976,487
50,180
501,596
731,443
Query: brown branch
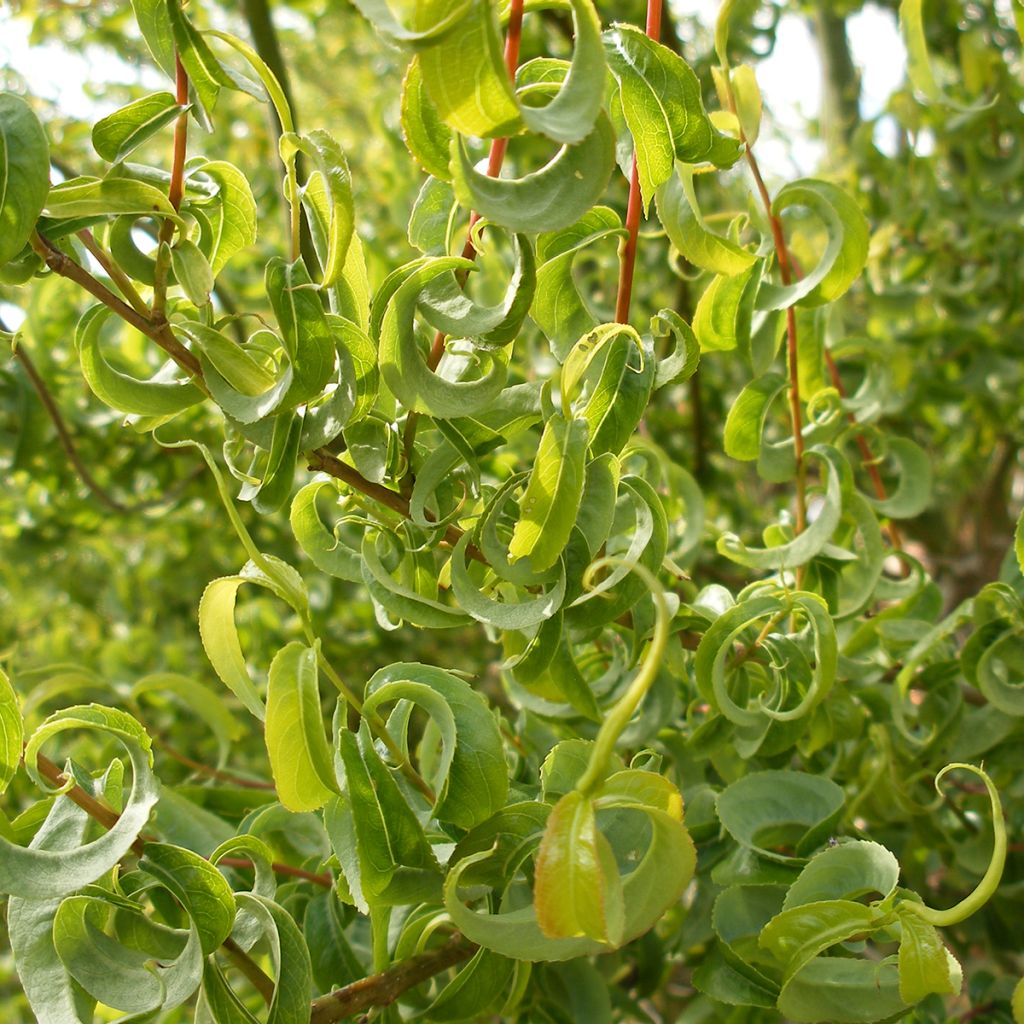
63,434
977,1011
158,330
96,809
319,459
383,989
114,272
322,460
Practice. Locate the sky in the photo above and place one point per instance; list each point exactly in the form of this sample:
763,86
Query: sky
790,78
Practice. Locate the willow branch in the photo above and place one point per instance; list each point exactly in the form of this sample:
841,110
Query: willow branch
68,444
383,989
323,880
322,460
96,809
204,769
114,272
157,330
495,159
627,258
868,459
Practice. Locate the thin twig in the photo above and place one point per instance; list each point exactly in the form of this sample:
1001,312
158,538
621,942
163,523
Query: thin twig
76,460
792,348
627,259
205,769
63,434
326,462
158,330
323,880
868,459
383,989
114,272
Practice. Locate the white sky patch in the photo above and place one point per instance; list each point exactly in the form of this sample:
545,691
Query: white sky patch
60,74
879,53
790,81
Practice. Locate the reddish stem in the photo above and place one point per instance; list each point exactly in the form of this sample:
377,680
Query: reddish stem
786,273
495,158
177,188
867,456
792,351
627,261
175,193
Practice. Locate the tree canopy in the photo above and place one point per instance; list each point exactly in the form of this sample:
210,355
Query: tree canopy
480,544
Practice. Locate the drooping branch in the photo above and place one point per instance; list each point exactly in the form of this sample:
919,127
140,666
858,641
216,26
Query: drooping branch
63,434
495,159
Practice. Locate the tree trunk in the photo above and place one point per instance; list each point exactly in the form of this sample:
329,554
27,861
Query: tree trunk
840,81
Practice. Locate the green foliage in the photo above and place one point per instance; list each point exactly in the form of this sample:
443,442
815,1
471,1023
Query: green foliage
696,782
